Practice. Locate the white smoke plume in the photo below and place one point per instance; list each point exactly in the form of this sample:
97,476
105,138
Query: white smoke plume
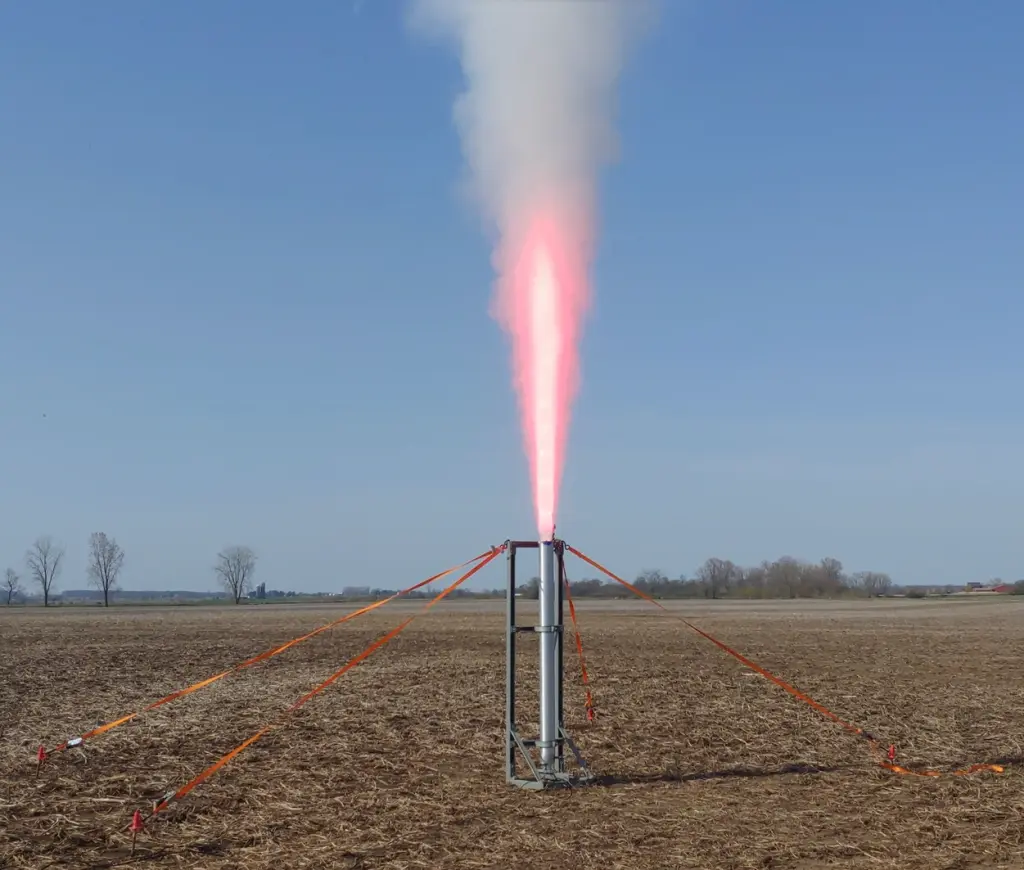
537,116
537,124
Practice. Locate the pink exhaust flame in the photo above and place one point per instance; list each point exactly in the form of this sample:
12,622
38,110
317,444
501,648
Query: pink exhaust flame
543,297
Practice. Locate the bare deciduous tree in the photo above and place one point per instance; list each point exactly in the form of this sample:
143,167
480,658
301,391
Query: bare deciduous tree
754,581
12,585
531,590
105,561
235,567
716,575
822,580
832,569
785,576
874,583
651,581
44,561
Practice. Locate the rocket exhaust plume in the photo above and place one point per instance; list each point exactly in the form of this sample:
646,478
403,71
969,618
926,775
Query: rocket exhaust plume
536,127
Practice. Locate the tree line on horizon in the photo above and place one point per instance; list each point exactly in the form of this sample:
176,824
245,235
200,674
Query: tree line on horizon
44,561
785,577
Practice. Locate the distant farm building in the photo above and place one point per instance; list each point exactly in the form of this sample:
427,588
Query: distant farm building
996,589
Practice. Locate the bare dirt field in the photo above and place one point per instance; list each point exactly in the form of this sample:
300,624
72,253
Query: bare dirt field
399,763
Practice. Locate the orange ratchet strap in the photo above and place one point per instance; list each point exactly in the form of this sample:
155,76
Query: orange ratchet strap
269,654
589,701
888,762
167,799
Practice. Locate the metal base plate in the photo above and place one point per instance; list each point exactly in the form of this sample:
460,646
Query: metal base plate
543,778
552,780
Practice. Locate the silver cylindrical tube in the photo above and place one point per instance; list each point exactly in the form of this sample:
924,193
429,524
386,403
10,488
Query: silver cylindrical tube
548,595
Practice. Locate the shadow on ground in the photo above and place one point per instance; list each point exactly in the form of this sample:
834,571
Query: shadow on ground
670,776
704,776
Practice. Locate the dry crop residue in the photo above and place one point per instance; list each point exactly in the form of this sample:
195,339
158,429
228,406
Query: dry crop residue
398,765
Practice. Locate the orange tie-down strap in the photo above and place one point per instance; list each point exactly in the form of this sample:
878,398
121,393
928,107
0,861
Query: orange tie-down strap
887,762
262,657
225,759
589,699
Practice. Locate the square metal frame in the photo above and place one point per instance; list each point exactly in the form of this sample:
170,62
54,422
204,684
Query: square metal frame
516,746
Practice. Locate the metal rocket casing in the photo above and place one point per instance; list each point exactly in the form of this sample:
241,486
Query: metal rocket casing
548,604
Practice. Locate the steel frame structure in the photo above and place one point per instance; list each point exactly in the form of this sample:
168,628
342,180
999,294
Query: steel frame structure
538,773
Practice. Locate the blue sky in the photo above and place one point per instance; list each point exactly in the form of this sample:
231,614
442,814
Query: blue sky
241,302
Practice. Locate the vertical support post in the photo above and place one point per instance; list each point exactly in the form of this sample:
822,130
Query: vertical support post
560,658
510,668
548,630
